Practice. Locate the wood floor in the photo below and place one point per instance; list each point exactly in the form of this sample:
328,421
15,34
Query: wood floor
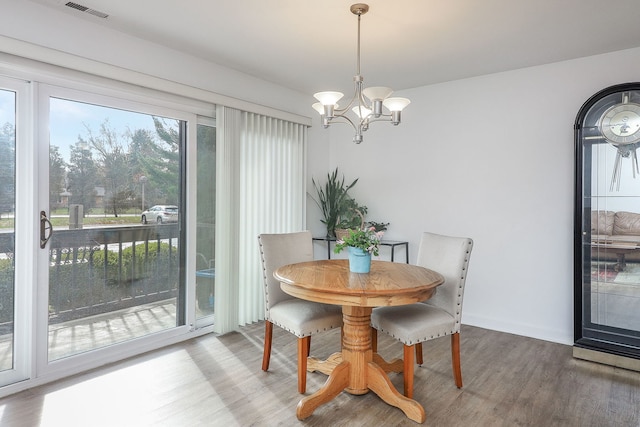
217,381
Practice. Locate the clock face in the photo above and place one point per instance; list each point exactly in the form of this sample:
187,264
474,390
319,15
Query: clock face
620,124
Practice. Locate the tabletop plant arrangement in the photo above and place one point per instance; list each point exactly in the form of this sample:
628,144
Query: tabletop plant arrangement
362,243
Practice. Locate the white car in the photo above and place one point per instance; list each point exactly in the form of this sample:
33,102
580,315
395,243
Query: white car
160,214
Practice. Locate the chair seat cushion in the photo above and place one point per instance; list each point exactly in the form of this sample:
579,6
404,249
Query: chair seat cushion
303,318
414,323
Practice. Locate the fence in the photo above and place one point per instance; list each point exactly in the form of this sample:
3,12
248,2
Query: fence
98,270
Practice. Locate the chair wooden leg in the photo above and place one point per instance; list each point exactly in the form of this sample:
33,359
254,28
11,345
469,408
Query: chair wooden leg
419,359
455,358
304,344
408,371
374,340
268,335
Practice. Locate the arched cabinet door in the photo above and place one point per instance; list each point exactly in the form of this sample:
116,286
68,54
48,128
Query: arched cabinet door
607,224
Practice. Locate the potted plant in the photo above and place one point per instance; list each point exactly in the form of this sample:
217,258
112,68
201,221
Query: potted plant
333,200
362,243
351,217
378,226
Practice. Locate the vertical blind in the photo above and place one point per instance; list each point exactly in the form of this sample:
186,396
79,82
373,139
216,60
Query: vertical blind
262,184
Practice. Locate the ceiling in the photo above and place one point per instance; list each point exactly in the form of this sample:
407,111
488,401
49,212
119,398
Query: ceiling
311,45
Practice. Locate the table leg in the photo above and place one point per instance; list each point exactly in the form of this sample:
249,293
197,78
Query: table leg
356,346
358,371
396,365
336,382
324,366
379,383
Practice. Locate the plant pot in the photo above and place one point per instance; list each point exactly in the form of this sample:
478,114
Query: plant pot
359,260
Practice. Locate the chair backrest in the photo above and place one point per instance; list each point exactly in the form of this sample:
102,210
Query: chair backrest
448,256
277,250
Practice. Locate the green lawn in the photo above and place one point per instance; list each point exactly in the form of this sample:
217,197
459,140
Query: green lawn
92,220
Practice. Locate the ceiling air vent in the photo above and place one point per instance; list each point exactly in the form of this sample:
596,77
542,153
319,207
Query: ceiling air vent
85,9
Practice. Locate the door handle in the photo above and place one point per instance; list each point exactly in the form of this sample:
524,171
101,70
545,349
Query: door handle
45,225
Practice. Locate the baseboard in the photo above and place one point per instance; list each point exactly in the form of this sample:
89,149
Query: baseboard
525,330
607,358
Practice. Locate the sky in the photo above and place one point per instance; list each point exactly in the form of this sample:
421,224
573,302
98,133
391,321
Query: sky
7,107
70,119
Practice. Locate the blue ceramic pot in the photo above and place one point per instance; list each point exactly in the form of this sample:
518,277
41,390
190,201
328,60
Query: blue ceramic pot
359,260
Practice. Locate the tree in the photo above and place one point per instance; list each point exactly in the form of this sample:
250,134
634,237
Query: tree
57,172
7,167
206,174
113,158
166,168
158,160
206,192
140,162
83,175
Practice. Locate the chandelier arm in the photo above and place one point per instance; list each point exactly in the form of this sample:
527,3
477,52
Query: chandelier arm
357,96
359,93
363,100
382,118
342,111
345,120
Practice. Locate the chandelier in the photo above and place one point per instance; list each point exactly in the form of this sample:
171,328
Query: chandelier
367,103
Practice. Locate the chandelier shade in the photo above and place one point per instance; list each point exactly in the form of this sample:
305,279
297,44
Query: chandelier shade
377,93
366,103
318,107
328,98
361,112
396,104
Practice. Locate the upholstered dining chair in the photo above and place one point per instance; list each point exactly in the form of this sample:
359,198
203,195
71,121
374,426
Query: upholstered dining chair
301,318
437,317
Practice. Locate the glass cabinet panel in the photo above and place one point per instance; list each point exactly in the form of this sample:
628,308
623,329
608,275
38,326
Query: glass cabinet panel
607,234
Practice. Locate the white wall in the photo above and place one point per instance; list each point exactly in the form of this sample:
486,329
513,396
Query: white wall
491,158
64,33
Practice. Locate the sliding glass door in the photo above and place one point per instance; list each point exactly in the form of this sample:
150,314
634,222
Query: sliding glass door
112,221
107,225
14,338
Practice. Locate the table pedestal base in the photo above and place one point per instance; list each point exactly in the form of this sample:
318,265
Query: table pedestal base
356,370
327,366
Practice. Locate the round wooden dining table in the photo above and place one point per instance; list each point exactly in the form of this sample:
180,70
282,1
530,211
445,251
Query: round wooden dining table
356,369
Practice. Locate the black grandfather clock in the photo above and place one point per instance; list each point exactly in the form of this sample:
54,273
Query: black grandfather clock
607,228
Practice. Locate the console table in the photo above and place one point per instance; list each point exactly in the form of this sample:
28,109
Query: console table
390,243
